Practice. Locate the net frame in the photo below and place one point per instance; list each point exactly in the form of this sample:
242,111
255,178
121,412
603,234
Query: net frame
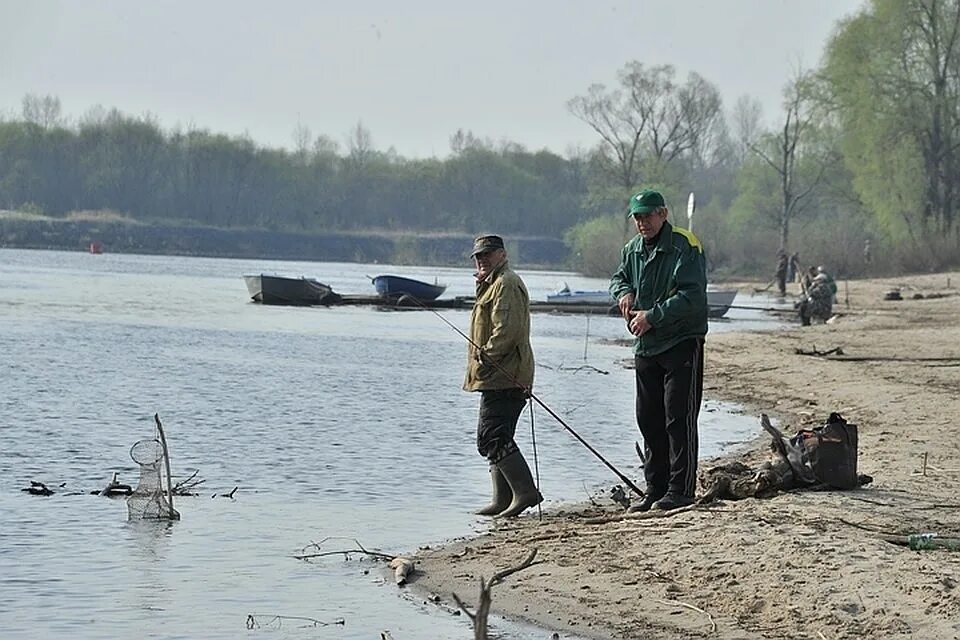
153,497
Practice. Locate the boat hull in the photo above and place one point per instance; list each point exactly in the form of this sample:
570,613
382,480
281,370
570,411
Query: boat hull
271,289
718,300
397,286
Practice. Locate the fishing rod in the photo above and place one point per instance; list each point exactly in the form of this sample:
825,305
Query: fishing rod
533,397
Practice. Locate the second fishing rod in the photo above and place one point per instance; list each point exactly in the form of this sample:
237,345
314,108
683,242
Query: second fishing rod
630,484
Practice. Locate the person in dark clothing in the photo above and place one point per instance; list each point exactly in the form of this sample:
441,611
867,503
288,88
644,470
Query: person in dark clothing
500,366
781,275
661,289
818,294
793,267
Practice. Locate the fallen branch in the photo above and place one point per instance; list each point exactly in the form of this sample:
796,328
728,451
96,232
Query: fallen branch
277,621
816,352
186,486
713,625
345,552
479,619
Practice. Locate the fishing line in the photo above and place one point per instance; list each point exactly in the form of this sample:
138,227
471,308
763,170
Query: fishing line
536,461
533,397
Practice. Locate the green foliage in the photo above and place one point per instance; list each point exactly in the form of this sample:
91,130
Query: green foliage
893,73
596,245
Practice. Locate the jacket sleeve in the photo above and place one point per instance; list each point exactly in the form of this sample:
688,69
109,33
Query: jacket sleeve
622,280
689,295
505,329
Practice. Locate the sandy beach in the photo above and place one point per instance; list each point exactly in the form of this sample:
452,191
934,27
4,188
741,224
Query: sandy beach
800,564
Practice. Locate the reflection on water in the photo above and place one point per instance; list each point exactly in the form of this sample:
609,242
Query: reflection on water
343,421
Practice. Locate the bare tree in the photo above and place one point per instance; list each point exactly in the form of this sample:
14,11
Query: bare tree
746,123
359,145
786,149
43,111
650,117
302,137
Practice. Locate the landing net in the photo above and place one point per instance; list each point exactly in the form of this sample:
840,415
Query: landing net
152,499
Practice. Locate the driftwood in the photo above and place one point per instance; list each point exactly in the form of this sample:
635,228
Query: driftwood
346,553
277,621
816,352
186,486
39,489
785,472
479,619
402,567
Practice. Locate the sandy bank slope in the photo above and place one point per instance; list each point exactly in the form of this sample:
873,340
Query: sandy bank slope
801,565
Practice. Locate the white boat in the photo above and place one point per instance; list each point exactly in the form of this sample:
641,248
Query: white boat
718,300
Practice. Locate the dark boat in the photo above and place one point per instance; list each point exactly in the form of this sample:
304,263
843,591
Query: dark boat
270,289
397,287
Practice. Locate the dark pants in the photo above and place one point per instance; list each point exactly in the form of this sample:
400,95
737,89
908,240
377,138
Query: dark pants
669,390
499,412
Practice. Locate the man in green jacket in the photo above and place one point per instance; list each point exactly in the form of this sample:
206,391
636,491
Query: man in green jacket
661,289
500,366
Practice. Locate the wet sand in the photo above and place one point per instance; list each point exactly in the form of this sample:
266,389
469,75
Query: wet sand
800,564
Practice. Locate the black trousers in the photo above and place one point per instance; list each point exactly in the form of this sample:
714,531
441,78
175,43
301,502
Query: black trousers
669,391
499,412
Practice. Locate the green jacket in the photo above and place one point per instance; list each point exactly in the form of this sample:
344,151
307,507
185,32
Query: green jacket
500,326
669,282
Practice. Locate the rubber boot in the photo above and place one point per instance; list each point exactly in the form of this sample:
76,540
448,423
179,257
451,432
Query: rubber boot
514,468
502,496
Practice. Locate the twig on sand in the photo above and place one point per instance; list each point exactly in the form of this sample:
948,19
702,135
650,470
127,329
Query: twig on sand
644,515
864,527
479,619
713,624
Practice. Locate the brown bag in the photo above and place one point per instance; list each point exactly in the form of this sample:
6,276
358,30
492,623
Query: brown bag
830,452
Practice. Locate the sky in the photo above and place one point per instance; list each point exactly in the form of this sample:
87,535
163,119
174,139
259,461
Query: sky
412,71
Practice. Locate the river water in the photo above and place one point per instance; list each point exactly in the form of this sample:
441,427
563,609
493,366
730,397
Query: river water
331,421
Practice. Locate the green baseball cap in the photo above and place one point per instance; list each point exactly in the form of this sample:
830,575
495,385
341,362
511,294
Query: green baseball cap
645,202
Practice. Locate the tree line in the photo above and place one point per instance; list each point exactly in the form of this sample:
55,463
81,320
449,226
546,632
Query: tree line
129,164
865,148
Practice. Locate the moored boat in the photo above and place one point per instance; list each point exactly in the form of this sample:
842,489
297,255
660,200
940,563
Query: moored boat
389,286
718,300
274,289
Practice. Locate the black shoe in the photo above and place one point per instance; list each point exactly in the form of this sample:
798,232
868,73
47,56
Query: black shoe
672,501
645,504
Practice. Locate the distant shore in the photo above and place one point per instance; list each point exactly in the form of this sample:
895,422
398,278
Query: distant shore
117,234
798,565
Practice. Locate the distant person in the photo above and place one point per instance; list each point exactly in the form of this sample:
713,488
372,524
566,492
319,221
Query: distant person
781,274
867,254
817,300
793,268
661,290
831,283
500,366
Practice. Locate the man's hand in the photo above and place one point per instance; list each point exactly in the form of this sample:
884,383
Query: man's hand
626,304
639,325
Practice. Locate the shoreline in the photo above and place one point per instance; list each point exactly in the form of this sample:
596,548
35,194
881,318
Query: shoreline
800,564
